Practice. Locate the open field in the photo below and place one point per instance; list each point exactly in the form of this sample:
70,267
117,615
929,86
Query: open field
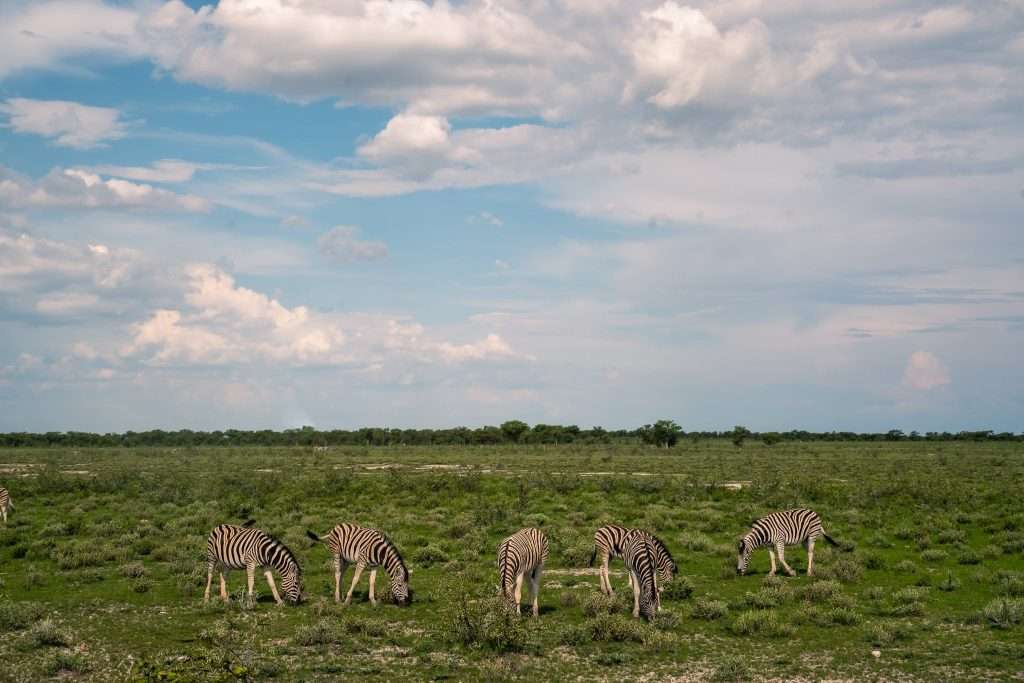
102,563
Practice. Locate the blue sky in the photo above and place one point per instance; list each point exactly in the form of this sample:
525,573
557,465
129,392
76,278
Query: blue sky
269,213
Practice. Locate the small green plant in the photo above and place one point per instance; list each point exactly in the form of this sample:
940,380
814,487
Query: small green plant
708,609
323,632
949,584
133,570
732,668
1003,612
679,588
934,555
761,622
47,633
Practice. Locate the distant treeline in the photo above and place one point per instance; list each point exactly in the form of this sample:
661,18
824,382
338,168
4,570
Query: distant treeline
664,433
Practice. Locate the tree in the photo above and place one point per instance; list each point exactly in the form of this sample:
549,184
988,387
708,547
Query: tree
663,433
771,438
739,435
513,430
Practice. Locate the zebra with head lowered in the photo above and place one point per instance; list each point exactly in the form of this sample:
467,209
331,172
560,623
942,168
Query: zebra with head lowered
638,554
608,544
5,503
522,553
237,547
364,547
778,530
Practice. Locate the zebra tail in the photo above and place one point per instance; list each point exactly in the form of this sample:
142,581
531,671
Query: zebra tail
248,523
313,536
593,557
829,538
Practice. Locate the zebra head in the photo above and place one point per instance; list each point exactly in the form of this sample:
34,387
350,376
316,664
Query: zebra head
401,593
291,583
745,548
648,601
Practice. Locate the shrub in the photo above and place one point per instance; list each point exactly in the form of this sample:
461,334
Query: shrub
822,591
761,622
322,632
48,633
698,543
874,561
429,555
484,623
830,616
133,570
599,603
141,585
969,556
949,584
934,555
905,596
1010,584
955,536
15,616
883,634
1003,612
732,668
846,569
679,588
65,662
708,609
906,567
766,598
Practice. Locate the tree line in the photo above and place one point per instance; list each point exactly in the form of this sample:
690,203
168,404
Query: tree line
663,433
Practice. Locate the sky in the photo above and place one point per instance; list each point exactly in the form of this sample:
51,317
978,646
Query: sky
273,213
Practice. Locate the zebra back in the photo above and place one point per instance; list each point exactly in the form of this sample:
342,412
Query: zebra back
5,498
521,552
639,555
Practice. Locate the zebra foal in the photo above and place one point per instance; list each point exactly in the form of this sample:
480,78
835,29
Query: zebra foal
5,503
522,553
364,547
778,530
638,554
608,544
243,547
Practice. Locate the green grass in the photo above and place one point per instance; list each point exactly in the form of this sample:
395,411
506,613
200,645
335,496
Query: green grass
102,563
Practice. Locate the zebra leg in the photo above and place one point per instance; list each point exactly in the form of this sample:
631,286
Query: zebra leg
780,547
606,586
273,588
209,581
771,556
810,556
355,580
535,589
657,593
373,580
338,570
250,575
636,595
223,585
519,593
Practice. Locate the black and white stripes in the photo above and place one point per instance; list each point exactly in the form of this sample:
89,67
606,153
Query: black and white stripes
524,552
608,544
5,503
780,529
364,547
237,547
638,554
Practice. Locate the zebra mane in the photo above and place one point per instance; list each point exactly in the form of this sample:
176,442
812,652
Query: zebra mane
394,549
287,551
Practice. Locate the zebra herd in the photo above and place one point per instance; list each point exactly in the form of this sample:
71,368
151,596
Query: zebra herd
521,555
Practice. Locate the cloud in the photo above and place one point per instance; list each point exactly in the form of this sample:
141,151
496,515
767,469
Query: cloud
68,124
341,246
925,371
74,188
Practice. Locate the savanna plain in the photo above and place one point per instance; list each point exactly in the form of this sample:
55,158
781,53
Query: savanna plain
102,563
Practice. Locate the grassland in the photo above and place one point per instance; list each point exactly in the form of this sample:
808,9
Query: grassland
102,563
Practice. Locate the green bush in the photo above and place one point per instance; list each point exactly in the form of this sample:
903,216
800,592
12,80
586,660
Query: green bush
15,616
323,632
761,622
489,623
47,633
708,609
679,588
1003,612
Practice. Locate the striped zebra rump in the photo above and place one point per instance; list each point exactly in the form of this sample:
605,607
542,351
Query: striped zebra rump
639,555
608,542
524,552
240,547
367,547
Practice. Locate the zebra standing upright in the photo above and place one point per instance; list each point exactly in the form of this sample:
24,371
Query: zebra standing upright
351,543
524,552
608,543
780,529
5,503
237,547
638,554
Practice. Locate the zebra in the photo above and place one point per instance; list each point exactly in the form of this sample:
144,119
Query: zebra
524,552
780,529
638,553
350,543
608,543
5,503
235,547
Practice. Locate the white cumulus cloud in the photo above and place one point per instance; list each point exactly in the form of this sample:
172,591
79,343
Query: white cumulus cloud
68,124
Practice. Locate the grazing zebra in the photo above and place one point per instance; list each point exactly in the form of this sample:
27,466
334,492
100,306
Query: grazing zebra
608,543
236,547
350,543
524,552
5,503
780,529
638,554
